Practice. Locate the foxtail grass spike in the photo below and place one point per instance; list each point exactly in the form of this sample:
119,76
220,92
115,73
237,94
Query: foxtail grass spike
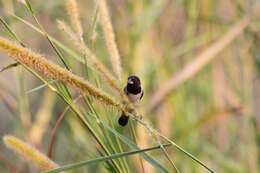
29,153
109,35
92,60
73,12
40,64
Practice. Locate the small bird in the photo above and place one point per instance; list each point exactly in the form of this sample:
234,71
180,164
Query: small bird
133,89
134,92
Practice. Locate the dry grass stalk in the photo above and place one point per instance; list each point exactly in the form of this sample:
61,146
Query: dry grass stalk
50,70
94,20
143,141
199,62
92,59
9,101
42,120
29,153
219,92
24,111
109,37
8,6
73,12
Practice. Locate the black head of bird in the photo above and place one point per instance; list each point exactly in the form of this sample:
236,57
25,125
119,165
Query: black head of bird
133,89
133,85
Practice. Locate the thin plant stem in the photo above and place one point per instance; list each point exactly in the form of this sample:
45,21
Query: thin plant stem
155,132
31,11
111,157
132,130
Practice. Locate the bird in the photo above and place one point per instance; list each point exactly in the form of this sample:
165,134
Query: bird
133,89
134,92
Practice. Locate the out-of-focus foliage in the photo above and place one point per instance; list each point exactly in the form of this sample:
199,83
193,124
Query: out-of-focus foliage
215,115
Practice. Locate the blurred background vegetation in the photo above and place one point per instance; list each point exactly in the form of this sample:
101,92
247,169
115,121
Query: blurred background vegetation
214,114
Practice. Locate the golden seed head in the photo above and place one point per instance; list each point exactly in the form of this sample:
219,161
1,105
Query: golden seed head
73,12
109,37
92,60
40,64
29,153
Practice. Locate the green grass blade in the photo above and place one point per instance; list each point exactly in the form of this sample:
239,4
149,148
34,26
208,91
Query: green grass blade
133,146
134,137
156,133
40,87
10,31
111,143
72,53
30,9
186,153
102,159
167,156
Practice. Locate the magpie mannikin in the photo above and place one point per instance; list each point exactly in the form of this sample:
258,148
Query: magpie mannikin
134,92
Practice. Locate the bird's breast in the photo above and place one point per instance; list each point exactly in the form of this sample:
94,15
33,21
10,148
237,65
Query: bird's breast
134,97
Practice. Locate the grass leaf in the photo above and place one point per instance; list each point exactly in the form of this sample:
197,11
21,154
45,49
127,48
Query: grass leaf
10,66
102,159
133,146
